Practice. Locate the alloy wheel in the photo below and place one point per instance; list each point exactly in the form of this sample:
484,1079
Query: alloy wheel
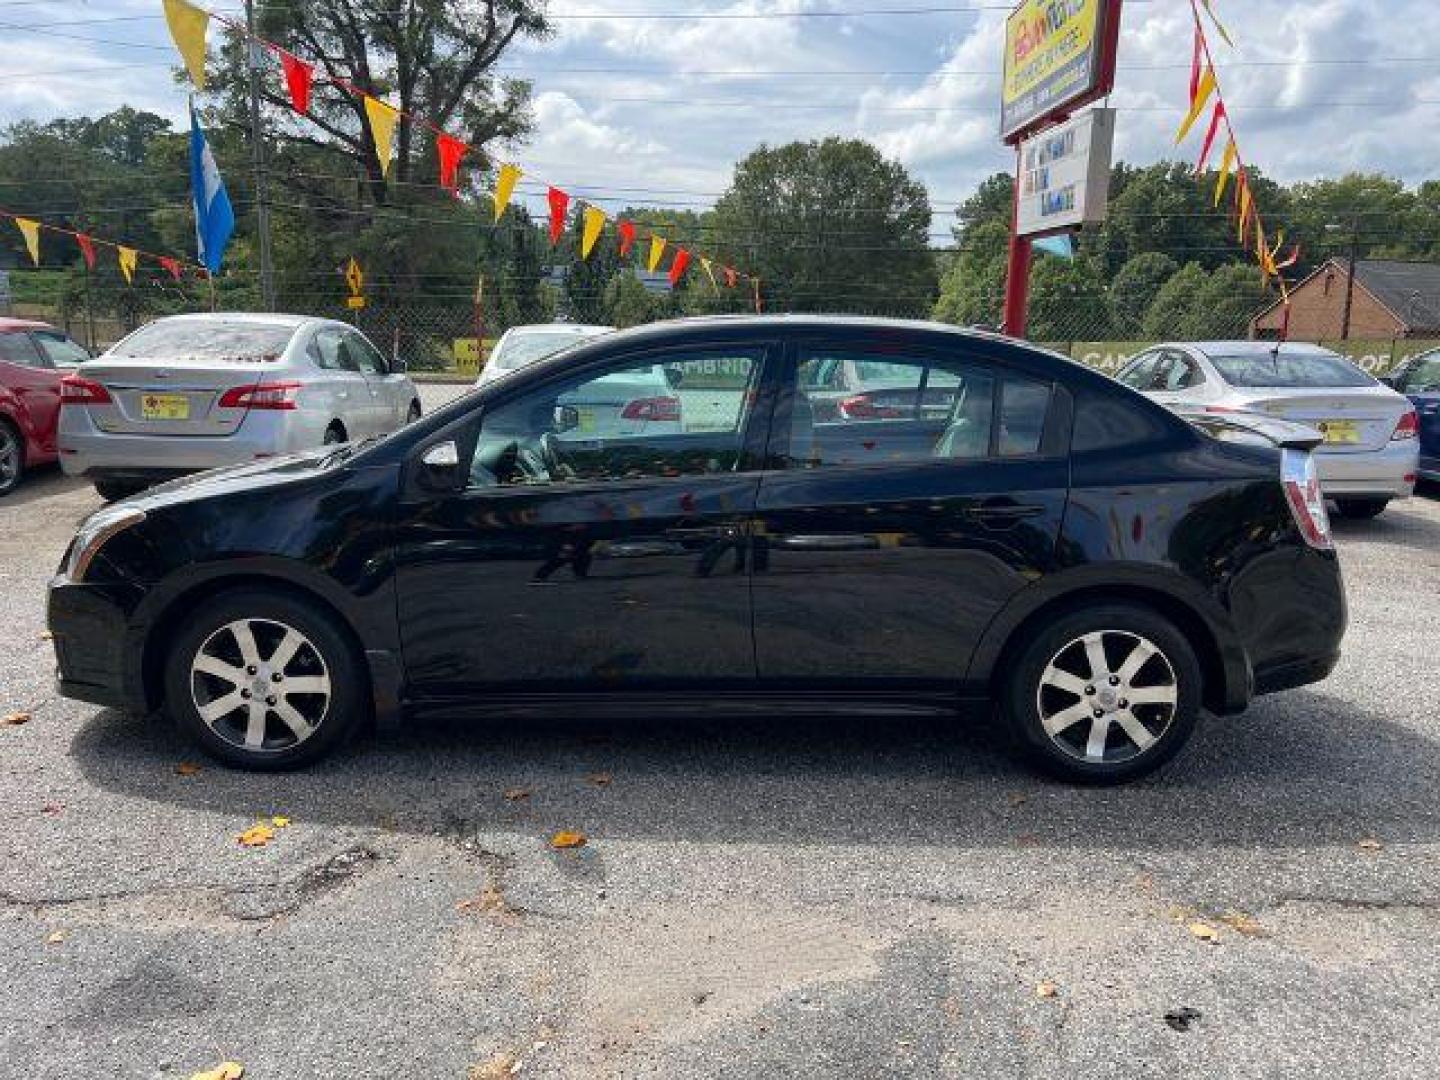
261,685
9,457
1108,697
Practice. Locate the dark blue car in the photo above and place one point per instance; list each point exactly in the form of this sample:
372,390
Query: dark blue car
1419,379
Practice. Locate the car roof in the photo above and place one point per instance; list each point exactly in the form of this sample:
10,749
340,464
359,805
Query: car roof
257,317
578,329
1253,348
7,324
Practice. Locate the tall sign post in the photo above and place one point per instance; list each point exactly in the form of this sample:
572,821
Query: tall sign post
1059,56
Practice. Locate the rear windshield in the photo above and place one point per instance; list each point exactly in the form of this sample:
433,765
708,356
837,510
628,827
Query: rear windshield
520,351
207,339
1290,369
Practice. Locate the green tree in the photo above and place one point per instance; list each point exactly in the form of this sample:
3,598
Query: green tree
1068,301
972,291
1135,286
1225,304
829,225
1171,312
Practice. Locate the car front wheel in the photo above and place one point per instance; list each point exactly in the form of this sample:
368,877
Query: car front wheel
1104,694
1361,509
263,680
12,457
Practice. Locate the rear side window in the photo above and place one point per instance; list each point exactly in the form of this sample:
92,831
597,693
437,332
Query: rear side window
1024,406
1290,370
1112,421
60,350
232,340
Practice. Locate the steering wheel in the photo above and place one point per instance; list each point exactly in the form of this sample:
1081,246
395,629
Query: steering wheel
539,459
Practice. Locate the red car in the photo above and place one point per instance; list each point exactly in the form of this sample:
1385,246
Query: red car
33,357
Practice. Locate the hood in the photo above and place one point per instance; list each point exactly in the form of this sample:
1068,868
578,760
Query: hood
251,476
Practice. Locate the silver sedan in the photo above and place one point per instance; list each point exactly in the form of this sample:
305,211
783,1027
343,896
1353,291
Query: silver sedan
194,392
1371,451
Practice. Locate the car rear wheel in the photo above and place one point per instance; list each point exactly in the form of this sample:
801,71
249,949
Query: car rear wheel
414,413
1104,694
1361,509
12,457
264,681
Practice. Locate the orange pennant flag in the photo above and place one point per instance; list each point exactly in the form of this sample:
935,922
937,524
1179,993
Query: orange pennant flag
1244,204
1197,106
188,24
31,231
657,249
709,272
1227,166
128,258
505,187
383,120
594,222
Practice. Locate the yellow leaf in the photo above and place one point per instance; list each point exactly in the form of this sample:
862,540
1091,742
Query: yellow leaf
1047,989
14,719
514,794
258,835
1370,845
46,635
1242,924
600,779
187,768
280,821
1205,932
56,938
568,839
498,1067
226,1070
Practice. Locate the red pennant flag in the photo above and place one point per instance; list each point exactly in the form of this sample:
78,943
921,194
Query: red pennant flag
172,265
87,248
1195,63
450,150
627,237
730,277
1215,118
299,76
678,265
559,204
1291,261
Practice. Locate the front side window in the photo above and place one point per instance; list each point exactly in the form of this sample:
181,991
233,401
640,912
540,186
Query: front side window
369,358
59,349
677,413
1139,372
1282,369
331,353
1424,377
17,348
888,409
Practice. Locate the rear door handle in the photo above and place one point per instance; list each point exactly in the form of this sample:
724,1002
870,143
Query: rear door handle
1002,512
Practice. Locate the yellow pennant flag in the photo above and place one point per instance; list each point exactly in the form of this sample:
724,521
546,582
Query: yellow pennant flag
188,24
594,222
1245,207
31,231
1197,105
383,119
710,273
128,258
657,249
504,188
1218,24
1227,166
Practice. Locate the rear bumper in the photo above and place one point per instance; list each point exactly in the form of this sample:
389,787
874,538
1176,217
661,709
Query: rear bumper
87,451
1389,472
1295,673
94,652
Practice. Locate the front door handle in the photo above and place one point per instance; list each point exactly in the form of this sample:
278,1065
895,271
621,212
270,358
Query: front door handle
1002,512
704,532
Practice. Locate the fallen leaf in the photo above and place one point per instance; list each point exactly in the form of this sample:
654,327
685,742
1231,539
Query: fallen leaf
1018,799
498,1067
1205,932
56,938
46,635
53,808
515,794
1047,989
280,821
187,768
568,839
14,719
1242,924
258,835
226,1070
1370,844
600,779
1180,1019
490,901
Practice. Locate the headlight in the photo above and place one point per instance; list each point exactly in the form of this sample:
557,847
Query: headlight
98,528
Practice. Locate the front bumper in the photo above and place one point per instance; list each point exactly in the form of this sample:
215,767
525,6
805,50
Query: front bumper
87,451
1385,473
94,651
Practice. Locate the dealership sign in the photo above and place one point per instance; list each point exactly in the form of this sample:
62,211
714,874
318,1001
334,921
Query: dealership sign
1058,53
1065,174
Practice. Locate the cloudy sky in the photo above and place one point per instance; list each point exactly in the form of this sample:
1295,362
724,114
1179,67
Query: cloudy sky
634,108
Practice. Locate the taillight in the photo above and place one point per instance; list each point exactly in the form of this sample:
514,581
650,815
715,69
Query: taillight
652,408
1408,427
862,407
1307,503
279,395
75,390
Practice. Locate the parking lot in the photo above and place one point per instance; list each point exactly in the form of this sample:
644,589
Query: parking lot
823,898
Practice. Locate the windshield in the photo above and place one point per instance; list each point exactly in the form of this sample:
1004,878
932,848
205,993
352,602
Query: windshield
1290,369
519,351
207,339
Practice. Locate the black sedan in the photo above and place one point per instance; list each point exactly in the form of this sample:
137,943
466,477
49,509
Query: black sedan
1013,527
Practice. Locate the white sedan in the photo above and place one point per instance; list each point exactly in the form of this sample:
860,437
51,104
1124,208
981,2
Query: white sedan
1371,450
521,346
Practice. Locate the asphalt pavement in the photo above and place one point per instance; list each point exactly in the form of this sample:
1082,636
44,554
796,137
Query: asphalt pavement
755,899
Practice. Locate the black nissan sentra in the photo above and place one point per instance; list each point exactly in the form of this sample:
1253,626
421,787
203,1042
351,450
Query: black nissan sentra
967,518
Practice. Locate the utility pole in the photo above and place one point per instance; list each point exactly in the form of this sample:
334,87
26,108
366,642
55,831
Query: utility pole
1350,279
257,153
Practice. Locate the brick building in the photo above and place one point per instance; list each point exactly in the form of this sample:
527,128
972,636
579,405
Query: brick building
1393,299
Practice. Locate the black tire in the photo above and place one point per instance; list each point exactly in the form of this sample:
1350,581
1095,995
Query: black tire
115,490
1361,509
335,435
1122,627
413,414
12,457
327,654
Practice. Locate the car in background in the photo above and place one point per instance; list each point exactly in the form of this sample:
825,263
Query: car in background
1370,451
1103,577
523,345
1419,379
33,357
194,392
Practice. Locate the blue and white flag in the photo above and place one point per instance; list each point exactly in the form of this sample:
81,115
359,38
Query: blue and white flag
214,216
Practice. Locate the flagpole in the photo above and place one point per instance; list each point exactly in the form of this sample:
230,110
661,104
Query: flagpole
257,151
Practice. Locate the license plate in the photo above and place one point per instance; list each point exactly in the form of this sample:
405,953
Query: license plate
165,407
587,420
1339,431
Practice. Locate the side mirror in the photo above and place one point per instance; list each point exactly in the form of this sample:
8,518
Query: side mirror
440,467
567,418
398,366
